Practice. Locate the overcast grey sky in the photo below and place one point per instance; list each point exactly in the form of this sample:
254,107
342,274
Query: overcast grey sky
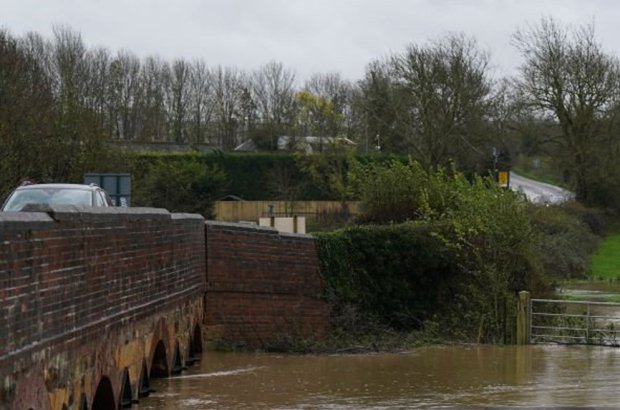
307,36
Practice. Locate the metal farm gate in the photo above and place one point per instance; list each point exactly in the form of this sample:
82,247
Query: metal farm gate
573,322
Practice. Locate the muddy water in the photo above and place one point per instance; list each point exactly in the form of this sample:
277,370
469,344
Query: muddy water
447,377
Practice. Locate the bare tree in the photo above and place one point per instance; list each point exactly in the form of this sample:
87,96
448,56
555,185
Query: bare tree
274,96
567,76
50,128
444,96
247,111
179,95
40,50
227,92
98,65
376,105
74,134
26,113
200,105
123,93
154,79
70,67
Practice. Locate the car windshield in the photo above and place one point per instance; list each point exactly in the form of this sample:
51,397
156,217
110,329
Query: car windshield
57,196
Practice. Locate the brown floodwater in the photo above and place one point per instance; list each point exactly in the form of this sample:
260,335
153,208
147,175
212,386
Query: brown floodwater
428,377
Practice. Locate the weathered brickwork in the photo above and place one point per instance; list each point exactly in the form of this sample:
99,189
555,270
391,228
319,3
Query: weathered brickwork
262,286
87,296
94,302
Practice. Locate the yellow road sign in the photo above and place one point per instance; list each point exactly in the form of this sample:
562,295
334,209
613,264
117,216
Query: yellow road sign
502,179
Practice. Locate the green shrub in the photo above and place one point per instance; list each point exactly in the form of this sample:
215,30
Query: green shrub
391,192
260,176
178,184
600,222
391,272
469,250
566,243
406,276
264,176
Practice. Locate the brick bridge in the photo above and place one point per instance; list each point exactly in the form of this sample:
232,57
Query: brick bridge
94,303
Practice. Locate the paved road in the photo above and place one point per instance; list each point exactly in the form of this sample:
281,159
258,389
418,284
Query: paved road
539,192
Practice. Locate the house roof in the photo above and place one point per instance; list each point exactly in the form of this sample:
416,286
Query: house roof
247,146
310,143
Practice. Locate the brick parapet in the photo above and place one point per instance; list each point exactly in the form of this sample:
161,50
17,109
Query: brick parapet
67,274
262,285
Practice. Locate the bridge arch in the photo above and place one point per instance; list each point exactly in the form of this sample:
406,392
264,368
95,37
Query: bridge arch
177,361
83,402
191,357
159,364
194,347
144,384
197,339
104,395
126,393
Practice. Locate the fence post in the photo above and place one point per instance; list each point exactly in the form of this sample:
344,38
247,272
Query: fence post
523,318
588,335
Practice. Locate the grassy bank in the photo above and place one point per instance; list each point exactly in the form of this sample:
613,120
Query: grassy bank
606,261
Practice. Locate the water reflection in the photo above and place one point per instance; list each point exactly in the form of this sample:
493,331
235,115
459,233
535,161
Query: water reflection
452,376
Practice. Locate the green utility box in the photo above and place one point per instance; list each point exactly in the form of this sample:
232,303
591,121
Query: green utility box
117,185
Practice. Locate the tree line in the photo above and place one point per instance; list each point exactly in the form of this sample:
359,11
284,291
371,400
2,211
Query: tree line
62,103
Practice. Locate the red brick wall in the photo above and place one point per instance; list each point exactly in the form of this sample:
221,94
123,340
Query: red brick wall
263,288
68,277
86,294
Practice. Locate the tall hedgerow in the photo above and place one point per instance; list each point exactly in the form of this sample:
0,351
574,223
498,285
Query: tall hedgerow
483,247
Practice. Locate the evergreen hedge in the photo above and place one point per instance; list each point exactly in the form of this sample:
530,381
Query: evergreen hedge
394,273
250,176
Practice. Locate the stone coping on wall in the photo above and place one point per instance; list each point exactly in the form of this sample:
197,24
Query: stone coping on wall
52,256
72,212
31,219
90,294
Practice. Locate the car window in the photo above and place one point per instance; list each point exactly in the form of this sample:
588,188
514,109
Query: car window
107,198
56,196
19,199
80,197
99,200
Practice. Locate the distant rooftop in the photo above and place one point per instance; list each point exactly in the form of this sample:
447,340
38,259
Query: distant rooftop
308,144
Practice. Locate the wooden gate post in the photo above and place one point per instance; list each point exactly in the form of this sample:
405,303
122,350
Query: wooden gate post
523,318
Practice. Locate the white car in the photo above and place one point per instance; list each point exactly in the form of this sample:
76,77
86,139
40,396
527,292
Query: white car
56,194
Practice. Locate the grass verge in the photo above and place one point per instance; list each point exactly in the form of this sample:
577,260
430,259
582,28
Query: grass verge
539,169
606,260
